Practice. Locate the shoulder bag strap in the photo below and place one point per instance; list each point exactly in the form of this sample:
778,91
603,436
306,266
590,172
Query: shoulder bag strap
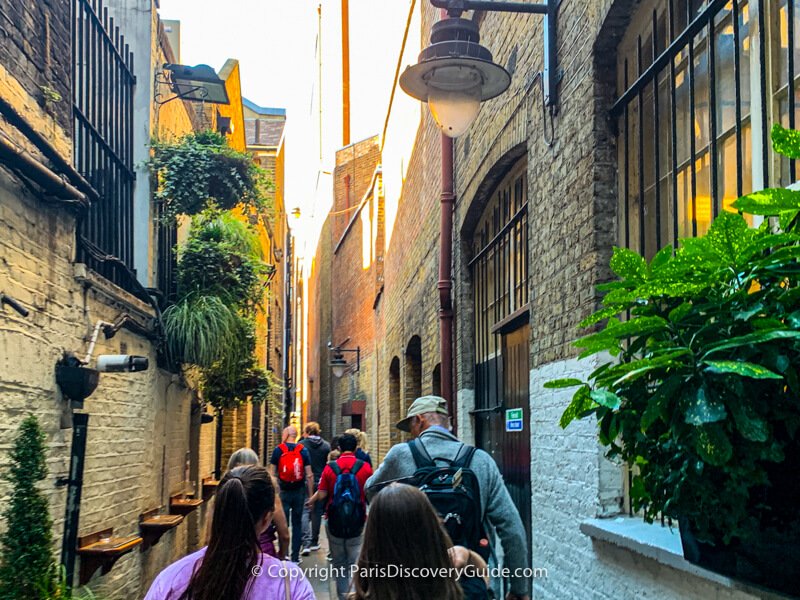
464,456
335,468
286,581
356,466
420,454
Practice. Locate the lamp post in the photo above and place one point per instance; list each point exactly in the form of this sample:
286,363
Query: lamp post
454,74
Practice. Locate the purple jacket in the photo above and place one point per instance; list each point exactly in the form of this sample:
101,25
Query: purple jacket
269,583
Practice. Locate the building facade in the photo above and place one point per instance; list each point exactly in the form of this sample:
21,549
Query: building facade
264,134
663,120
84,253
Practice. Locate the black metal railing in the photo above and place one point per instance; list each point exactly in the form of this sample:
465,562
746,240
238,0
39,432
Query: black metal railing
103,86
708,80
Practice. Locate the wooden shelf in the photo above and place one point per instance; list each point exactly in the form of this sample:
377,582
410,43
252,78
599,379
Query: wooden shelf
100,550
209,487
153,525
179,505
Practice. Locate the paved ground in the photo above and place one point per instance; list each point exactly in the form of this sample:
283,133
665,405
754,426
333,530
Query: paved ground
325,590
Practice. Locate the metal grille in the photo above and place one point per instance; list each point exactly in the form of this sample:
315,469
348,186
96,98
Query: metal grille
701,83
103,84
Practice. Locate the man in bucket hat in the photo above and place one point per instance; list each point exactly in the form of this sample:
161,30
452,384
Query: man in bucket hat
427,420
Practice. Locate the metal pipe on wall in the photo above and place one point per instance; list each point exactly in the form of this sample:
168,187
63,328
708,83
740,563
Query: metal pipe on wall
445,284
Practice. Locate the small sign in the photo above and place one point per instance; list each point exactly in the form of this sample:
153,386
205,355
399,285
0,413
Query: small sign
514,419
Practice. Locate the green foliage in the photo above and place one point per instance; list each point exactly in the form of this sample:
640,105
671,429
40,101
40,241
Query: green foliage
222,258
200,169
221,277
57,588
26,545
702,392
200,330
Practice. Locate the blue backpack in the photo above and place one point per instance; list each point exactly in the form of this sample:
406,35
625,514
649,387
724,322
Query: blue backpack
346,512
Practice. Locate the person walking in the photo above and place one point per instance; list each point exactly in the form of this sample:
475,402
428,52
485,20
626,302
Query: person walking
342,484
363,443
278,528
434,445
232,566
318,450
404,530
291,463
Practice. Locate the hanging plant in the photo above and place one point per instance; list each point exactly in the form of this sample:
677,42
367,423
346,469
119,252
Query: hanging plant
222,257
200,329
200,170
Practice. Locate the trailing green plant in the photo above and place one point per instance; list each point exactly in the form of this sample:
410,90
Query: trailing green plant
222,257
199,170
200,330
26,545
221,276
700,392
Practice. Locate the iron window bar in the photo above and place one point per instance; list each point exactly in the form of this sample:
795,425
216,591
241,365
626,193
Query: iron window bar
677,45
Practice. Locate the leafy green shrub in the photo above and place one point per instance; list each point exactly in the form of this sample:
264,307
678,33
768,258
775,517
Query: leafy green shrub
26,560
701,395
200,169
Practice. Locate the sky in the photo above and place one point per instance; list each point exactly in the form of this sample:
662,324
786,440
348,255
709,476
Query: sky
276,44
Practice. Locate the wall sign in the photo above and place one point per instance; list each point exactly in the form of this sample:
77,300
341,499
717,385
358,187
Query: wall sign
514,419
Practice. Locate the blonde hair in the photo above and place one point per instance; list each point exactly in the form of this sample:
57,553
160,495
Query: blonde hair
242,457
361,437
312,428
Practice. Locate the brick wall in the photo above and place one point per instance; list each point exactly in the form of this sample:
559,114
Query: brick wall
36,49
141,425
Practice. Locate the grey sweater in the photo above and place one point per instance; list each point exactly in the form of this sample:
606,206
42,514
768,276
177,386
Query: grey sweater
499,512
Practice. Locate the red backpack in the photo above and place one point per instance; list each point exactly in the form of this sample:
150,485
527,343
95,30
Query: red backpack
290,464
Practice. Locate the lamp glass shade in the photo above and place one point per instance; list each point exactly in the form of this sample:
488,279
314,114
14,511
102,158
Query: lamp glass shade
454,111
454,97
338,368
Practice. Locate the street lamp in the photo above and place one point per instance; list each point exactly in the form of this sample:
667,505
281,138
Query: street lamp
455,73
338,364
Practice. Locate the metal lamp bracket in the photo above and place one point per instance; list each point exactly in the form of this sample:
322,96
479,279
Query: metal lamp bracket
161,78
549,9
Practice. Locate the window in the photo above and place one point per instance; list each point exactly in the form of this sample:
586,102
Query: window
700,84
102,90
500,276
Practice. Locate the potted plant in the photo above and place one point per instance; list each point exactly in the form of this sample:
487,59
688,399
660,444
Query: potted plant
700,392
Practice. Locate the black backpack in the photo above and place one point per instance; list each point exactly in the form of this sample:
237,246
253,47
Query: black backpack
454,492
346,512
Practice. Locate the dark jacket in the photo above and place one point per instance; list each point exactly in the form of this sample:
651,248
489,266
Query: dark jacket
318,449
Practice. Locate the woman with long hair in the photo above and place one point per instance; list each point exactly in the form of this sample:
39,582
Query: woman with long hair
232,566
403,531
278,528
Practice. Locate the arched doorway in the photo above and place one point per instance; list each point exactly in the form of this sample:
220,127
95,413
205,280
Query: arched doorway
499,274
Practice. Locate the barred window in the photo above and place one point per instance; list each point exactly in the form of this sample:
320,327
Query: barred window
700,83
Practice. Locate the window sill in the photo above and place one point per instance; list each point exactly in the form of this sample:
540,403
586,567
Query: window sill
663,545
88,278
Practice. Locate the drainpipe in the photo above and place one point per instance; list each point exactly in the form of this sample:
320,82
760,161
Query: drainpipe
74,483
445,284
